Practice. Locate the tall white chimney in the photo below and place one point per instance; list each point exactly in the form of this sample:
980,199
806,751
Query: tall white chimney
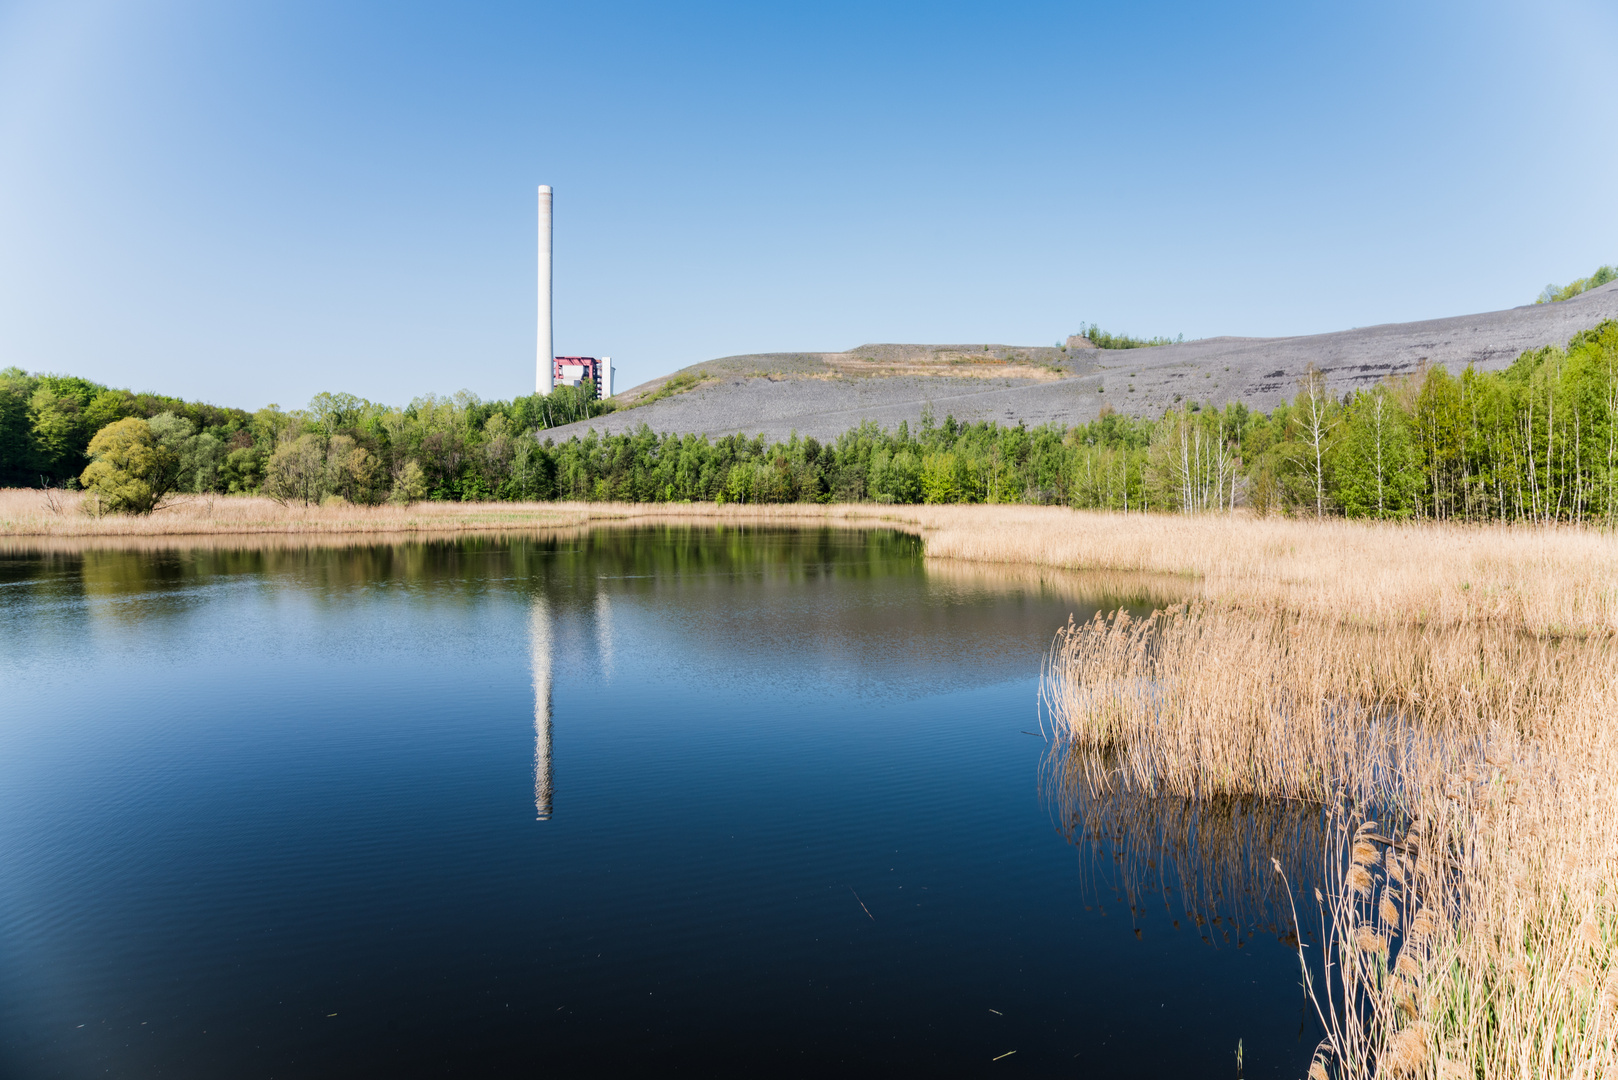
606,377
545,357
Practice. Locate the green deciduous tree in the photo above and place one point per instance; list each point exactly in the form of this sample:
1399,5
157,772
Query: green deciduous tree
56,418
410,485
296,472
1315,420
131,469
1440,442
939,482
1375,473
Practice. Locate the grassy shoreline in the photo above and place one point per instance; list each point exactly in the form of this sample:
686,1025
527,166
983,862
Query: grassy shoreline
1546,579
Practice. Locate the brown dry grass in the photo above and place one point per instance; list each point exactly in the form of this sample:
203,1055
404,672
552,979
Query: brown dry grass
1375,574
1108,589
27,512
954,365
32,513
28,521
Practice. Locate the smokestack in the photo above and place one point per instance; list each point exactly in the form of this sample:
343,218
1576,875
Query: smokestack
545,357
606,377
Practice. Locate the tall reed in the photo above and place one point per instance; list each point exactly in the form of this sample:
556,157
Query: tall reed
1470,775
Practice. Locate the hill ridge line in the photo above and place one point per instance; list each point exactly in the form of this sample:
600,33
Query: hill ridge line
823,394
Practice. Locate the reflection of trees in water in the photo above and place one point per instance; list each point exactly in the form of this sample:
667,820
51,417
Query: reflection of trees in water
467,563
570,563
863,603
1208,857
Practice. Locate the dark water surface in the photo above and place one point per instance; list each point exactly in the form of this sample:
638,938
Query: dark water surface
708,802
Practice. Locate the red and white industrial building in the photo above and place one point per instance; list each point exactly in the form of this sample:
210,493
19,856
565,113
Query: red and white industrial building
573,370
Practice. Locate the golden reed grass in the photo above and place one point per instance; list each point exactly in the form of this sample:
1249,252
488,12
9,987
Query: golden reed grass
1377,574
1470,776
28,512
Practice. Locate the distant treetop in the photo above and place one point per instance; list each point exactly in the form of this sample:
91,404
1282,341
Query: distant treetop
1554,293
1103,340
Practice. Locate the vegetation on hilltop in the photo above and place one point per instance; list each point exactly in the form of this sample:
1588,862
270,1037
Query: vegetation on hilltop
1555,293
678,383
1103,340
1535,442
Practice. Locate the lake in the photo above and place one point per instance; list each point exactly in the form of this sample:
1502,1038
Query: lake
709,801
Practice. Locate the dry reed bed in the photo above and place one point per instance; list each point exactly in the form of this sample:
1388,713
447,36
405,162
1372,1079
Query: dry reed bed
1108,589
30,513
1559,580
27,512
1472,931
1378,574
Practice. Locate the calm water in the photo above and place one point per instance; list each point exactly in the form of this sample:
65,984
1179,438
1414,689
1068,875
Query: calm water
685,801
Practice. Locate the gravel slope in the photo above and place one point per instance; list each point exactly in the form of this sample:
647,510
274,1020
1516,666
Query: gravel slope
825,394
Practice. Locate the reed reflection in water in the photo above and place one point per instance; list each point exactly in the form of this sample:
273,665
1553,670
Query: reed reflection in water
1209,857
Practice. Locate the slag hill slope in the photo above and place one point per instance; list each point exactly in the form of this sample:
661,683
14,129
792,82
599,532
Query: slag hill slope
825,394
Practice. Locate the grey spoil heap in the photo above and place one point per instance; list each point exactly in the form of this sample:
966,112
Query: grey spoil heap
825,394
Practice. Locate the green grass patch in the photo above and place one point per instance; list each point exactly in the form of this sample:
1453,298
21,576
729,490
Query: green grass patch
677,384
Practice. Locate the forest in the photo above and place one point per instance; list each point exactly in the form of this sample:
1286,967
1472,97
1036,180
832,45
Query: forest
1537,441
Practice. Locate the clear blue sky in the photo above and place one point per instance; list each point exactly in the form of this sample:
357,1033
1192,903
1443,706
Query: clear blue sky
252,202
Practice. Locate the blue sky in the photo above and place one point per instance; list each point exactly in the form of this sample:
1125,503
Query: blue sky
253,202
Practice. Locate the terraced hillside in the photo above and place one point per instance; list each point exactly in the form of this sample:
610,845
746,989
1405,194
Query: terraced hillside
825,394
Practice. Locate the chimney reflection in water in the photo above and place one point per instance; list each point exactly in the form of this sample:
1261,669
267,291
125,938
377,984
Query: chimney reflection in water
539,637
604,634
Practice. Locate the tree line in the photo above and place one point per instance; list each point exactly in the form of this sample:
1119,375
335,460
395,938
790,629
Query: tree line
1537,441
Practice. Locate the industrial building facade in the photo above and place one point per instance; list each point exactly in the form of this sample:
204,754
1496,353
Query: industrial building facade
573,370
